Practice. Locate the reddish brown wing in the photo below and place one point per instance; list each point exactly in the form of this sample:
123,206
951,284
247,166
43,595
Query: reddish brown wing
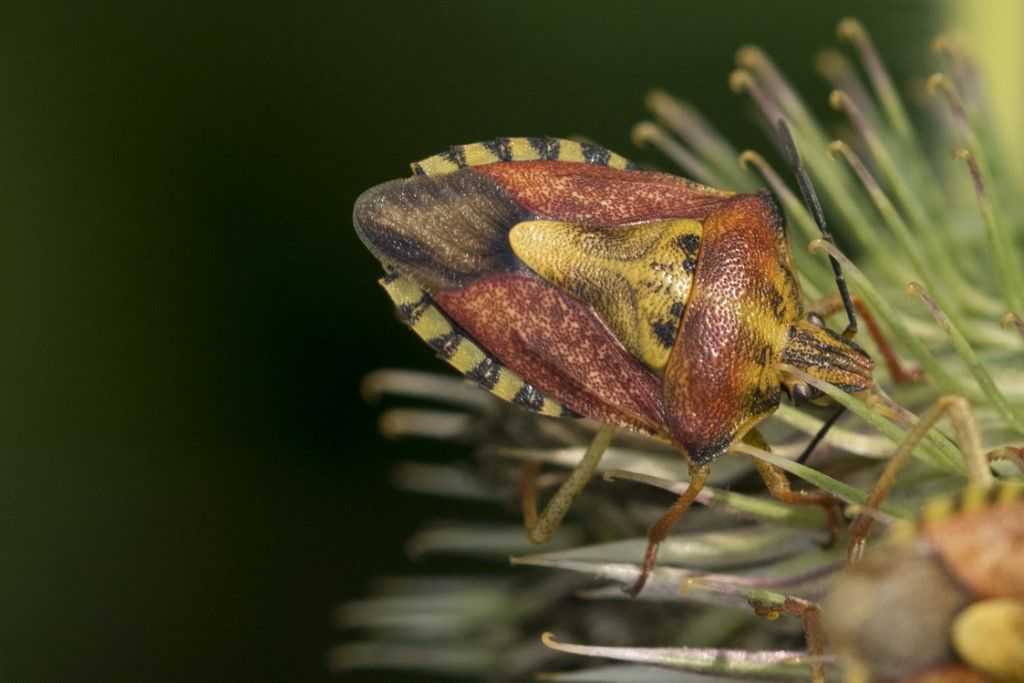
601,196
449,234
560,346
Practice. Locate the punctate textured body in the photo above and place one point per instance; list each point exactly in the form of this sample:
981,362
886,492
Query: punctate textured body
588,287
558,276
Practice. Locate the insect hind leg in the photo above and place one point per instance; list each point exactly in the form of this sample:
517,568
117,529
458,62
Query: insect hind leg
540,528
778,485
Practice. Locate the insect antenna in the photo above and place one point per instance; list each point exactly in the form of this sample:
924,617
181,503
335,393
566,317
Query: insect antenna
809,448
814,206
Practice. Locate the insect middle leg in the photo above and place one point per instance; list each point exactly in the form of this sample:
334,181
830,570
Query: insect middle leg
659,530
540,529
778,485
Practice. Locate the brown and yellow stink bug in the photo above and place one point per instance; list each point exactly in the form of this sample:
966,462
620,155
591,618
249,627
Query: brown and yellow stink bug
558,276
939,600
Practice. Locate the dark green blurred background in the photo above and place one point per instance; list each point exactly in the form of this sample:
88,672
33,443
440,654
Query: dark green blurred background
190,482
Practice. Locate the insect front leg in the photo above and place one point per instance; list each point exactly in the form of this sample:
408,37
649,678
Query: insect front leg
968,439
541,528
778,485
833,303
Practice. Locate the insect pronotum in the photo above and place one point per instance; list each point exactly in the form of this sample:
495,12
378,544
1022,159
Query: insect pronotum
560,277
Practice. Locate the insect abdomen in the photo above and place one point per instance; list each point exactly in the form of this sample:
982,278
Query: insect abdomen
502,150
418,311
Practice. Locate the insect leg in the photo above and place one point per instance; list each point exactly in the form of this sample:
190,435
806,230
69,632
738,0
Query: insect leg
810,613
828,305
541,529
657,533
814,206
778,485
968,440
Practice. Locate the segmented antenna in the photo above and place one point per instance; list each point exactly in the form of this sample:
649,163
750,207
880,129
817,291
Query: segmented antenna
809,448
811,200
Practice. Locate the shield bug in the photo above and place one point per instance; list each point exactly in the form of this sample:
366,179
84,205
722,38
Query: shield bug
941,599
560,277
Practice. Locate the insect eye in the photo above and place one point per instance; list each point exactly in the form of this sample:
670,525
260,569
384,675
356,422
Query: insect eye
816,320
800,393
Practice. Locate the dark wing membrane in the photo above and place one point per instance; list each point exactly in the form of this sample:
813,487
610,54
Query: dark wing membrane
440,231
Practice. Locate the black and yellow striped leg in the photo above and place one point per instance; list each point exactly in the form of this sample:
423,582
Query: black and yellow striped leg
541,529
